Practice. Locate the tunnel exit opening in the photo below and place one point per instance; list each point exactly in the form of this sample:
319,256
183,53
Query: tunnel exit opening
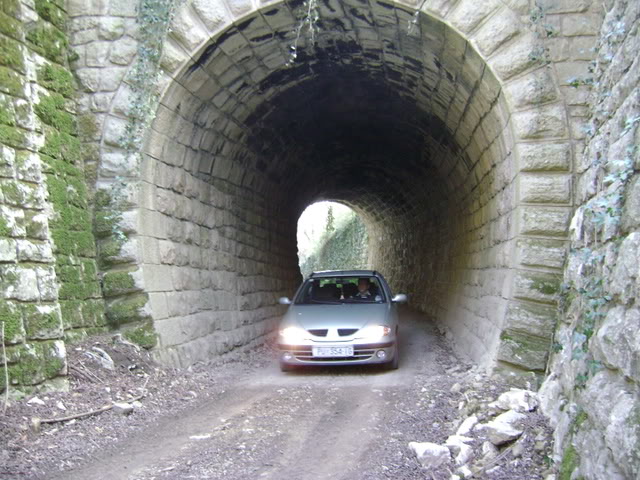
412,129
331,236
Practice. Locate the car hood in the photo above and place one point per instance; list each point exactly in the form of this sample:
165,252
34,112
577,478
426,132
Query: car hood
347,315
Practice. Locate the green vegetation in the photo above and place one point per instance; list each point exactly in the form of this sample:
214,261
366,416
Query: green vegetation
570,461
12,319
49,42
57,79
126,310
341,247
11,54
144,336
117,283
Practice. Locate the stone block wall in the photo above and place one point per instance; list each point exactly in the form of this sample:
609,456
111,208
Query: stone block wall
49,287
592,393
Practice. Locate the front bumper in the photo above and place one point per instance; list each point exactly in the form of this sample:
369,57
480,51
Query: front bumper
363,354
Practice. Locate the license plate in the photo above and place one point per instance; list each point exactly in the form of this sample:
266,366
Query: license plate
332,351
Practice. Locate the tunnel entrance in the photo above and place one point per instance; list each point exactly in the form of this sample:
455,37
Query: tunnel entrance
413,130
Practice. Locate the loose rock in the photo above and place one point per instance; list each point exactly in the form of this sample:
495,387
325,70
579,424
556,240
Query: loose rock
430,455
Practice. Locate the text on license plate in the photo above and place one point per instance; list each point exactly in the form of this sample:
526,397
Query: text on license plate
346,351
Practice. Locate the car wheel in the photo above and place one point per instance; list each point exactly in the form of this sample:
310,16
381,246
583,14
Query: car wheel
393,364
284,367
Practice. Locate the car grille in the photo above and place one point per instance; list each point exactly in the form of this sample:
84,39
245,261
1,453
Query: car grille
318,332
345,332
305,354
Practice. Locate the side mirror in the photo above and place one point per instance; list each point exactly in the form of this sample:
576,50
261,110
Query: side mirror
399,298
284,301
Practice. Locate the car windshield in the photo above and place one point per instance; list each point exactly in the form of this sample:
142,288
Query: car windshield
337,290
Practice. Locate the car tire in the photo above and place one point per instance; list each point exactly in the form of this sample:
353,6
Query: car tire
284,367
393,364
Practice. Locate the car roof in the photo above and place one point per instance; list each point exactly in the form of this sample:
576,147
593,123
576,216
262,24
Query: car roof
345,273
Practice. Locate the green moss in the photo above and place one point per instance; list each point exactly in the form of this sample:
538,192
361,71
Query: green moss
87,127
73,243
69,273
41,324
62,145
11,54
547,287
126,310
10,7
12,319
89,269
50,12
11,82
570,461
71,313
580,419
51,110
78,291
6,114
117,283
57,79
10,26
49,42
13,136
144,336
36,362
93,312
5,231
19,193
109,251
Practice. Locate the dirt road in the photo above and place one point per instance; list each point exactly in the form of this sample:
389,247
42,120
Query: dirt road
316,424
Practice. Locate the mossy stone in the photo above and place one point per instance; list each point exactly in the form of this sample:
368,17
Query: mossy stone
11,316
11,54
42,322
36,363
126,310
49,42
71,311
51,12
10,26
51,110
11,82
118,283
93,312
144,336
570,461
62,145
10,7
7,114
13,136
5,231
57,79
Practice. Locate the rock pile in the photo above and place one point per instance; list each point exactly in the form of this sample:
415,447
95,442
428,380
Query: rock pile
483,441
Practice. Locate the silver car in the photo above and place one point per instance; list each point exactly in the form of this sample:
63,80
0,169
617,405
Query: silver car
345,317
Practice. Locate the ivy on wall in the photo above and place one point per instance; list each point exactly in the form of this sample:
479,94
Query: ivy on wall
344,247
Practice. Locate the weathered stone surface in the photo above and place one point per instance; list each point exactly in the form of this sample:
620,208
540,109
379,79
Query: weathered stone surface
542,252
544,156
518,400
545,188
430,455
550,221
503,429
544,122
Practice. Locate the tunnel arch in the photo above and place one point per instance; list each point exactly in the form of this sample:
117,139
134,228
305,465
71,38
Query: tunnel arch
452,143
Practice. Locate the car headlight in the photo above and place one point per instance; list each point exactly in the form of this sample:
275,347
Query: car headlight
293,335
373,333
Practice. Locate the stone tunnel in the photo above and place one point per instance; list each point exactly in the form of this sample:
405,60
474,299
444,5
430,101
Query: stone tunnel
443,129
155,157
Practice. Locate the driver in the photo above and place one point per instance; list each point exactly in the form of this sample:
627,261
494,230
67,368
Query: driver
363,290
